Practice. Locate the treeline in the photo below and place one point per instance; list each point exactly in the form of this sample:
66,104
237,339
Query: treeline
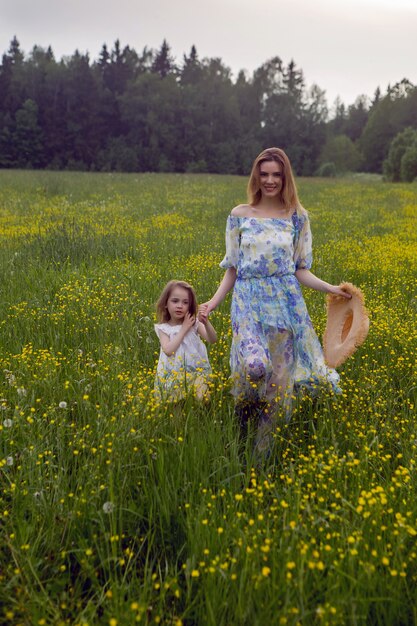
145,112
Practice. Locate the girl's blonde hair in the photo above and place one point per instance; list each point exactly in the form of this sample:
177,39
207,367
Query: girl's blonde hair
288,193
161,305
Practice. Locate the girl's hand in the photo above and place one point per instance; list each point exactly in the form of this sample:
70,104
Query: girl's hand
337,291
203,313
189,321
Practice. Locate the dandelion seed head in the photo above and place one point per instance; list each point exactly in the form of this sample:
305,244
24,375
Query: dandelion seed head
108,507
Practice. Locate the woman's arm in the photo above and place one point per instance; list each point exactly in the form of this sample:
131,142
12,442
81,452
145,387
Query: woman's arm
225,286
306,278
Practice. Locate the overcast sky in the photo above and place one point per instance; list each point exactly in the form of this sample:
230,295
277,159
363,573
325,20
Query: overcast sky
346,47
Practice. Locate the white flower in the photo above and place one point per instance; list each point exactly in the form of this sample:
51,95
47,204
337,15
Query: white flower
21,391
108,507
8,423
63,405
9,460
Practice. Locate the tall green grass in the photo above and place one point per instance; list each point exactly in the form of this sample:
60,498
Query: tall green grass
117,510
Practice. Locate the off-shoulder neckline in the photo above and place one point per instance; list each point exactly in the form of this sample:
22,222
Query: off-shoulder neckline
258,217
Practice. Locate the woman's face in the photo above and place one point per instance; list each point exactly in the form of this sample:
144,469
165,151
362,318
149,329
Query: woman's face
270,178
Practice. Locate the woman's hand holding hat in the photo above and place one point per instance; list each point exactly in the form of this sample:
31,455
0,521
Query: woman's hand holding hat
347,323
336,290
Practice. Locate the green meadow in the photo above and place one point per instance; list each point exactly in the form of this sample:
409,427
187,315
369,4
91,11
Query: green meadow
117,510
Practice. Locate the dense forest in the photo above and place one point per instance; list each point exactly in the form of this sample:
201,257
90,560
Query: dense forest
146,112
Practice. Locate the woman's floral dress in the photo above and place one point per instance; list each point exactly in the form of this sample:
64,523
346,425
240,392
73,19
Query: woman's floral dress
275,351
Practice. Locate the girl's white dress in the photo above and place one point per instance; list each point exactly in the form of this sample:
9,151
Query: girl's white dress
185,371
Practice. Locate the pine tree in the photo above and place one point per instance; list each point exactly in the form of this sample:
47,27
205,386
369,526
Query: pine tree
164,63
191,70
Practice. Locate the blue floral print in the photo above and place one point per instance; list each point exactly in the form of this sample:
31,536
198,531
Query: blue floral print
275,350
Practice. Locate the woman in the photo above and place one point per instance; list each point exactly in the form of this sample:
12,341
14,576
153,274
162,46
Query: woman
268,255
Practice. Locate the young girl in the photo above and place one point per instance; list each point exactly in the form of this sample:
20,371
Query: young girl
183,364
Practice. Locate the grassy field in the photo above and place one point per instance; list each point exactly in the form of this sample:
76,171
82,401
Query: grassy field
117,511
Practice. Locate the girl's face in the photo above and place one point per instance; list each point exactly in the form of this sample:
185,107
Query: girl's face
178,304
270,178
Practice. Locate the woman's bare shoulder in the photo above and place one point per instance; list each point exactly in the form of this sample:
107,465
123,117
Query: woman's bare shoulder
241,210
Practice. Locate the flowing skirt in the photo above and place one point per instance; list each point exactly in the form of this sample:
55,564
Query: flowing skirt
275,351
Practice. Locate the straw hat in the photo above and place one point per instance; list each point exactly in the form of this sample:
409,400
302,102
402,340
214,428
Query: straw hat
347,325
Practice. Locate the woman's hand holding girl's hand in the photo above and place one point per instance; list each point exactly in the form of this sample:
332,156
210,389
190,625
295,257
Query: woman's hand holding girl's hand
203,313
207,332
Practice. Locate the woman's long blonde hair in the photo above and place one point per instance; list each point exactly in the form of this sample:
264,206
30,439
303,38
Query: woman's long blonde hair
288,194
161,306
